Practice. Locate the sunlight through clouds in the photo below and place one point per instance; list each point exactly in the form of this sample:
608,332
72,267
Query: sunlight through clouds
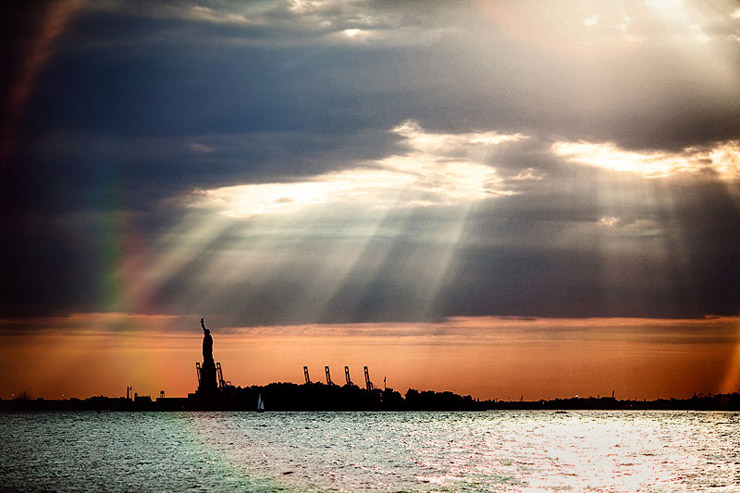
362,216
438,169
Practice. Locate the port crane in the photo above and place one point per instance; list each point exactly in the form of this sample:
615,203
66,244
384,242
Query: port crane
222,384
368,384
328,376
305,374
346,376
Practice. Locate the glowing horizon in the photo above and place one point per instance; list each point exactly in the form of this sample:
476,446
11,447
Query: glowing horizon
487,357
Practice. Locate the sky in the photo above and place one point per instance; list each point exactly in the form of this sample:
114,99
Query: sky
503,199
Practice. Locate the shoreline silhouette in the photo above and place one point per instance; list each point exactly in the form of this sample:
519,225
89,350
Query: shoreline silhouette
322,397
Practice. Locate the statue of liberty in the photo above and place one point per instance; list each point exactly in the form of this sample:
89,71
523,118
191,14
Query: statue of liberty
207,342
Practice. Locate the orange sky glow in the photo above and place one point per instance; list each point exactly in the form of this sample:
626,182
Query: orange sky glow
487,357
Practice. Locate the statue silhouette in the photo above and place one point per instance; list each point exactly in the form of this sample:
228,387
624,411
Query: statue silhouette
207,386
207,342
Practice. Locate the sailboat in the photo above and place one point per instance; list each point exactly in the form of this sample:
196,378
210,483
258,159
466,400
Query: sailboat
260,403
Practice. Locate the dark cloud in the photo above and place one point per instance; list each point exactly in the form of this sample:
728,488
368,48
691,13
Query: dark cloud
196,78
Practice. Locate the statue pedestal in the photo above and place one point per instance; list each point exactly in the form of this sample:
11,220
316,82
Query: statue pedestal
208,385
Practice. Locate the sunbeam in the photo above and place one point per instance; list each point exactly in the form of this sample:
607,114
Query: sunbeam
297,244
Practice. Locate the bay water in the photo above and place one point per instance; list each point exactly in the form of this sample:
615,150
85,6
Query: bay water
374,451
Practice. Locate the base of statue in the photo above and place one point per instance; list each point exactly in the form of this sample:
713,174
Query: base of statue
208,386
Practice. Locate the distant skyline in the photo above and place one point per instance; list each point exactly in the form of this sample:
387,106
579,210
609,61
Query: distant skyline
498,198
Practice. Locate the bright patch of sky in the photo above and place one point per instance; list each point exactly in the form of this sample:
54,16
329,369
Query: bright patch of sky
438,169
722,160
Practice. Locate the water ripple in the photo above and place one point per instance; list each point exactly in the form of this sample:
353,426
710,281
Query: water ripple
405,451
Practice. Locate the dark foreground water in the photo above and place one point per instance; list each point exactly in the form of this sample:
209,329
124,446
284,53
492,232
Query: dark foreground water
411,451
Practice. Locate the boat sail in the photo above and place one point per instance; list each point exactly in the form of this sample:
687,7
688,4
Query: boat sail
260,403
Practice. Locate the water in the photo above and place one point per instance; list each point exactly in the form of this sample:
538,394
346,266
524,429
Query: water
412,451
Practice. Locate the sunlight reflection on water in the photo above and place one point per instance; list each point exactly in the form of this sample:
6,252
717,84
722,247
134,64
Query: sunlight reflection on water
414,451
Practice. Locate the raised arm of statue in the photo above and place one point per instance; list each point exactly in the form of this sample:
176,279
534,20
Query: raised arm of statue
207,343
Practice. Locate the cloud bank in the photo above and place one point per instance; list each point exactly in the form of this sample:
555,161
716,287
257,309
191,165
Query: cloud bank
303,162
